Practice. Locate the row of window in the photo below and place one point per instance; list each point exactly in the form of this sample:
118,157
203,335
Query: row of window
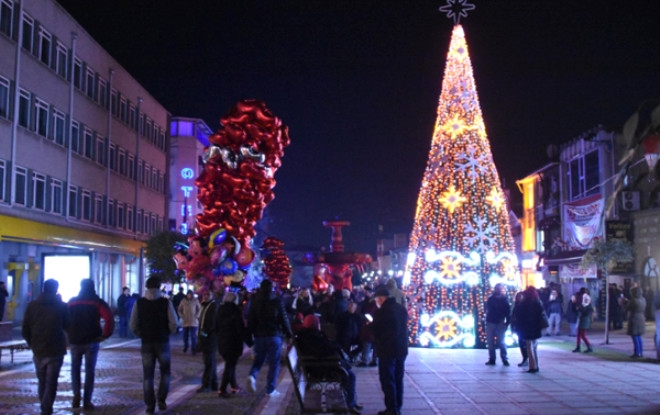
41,192
54,54
37,115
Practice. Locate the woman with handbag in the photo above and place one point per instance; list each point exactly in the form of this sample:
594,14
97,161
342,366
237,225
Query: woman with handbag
531,321
584,319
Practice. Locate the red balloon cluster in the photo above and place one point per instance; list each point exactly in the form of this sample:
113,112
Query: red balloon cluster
276,262
240,164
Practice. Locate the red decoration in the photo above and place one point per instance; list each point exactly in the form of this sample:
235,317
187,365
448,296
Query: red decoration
276,262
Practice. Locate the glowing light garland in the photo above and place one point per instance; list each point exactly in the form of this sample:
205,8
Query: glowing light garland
461,243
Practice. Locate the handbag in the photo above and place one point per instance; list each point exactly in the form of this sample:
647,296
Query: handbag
544,320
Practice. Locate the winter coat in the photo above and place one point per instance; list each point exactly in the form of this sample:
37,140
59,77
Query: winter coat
153,318
267,317
86,312
230,330
390,330
44,324
189,312
498,309
529,317
585,313
636,321
206,335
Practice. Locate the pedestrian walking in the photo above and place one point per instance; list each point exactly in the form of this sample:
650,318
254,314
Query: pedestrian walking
267,322
585,312
554,311
189,310
390,330
515,327
207,342
498,312
85,336
231,334
636,308
44,324
122,312
153,320
530,322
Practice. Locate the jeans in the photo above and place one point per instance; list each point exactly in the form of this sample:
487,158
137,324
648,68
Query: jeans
390,372
495,339
267,349
555,322
91,352
639,346
48,370
210,375
123,326
349,388
152,352
190,333
229,374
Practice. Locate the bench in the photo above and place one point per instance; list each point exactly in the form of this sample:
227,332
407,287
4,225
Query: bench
317,383
13,345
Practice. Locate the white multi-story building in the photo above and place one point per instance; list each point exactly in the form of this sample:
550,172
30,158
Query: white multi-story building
83,159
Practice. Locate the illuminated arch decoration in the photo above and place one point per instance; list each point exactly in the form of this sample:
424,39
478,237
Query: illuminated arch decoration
461,243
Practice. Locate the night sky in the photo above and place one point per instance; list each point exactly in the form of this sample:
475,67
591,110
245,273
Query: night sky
357,82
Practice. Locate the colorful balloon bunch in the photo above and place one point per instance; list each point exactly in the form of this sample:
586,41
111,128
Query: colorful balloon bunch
276,263
240,164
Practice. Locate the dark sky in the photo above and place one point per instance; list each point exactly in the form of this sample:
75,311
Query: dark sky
357,82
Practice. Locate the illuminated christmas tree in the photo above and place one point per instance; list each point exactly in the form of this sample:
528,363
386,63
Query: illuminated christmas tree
461,243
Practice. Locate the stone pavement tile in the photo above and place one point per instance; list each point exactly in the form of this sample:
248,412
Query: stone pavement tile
547,408
503,408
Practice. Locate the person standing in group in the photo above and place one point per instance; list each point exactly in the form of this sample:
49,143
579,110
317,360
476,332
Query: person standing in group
267,322
498,312
44,324
555,311
584,320
122,312
153,319
3,299
85,335
390,330
231,334
189,310
206,339
636,308
515,327
176,301
530,322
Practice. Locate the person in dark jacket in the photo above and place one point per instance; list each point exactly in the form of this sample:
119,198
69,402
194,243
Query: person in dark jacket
231,333
390,330
636,308
530,322
44,324
312,342
267,322
555,311
585,312
206,341
122,312
498,312
516,329
153,320
85,335
347,327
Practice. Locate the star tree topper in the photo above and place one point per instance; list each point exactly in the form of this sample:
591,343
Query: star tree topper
456,9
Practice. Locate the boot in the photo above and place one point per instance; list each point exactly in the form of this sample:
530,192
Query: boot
524,363
576,350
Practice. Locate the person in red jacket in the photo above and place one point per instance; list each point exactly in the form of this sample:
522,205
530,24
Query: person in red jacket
85,335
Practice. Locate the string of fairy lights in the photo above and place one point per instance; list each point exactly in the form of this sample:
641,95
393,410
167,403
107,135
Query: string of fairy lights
461,243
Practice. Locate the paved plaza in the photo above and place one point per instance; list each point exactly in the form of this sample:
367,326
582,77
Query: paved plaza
437,381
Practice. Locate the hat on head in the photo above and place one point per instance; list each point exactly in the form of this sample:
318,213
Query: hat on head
312,322
382,291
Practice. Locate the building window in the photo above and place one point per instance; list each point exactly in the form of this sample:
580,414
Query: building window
86,205
114,102
3,178
103,93
154,221
121,216
111,213
122,162
56,196
584,174
147,175
154,179
132,116
149,132
4,97
141,123
130,218
100,150
90,82
131,167
98,209
73,201
59,127
77,74
42,117
113,157
45,42
28,32
24,109
20,193
123,109
145,223
60,60
39,191
88,138
75,137
5,17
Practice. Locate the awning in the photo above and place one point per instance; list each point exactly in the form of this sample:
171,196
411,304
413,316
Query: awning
565,258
